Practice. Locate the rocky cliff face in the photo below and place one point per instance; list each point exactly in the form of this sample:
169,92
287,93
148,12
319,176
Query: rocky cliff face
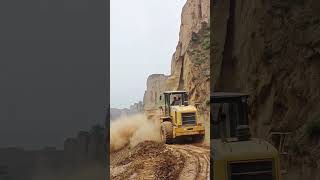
271,49
155,86
190,63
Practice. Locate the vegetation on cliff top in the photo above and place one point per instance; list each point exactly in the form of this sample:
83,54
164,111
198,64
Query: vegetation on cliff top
200,45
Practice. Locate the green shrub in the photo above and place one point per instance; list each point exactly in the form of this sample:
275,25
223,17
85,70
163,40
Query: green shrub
199,60
194,37
207,34
206,44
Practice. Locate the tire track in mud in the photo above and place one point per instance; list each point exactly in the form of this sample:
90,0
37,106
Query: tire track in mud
197,162
178,161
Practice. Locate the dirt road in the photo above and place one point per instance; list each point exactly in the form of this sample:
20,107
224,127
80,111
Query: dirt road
153,160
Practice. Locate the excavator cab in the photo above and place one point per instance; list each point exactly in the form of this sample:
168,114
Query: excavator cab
235,155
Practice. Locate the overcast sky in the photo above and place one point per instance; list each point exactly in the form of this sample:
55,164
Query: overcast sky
144,35
53,71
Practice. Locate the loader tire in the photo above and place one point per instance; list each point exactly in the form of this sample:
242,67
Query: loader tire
167,132
198,138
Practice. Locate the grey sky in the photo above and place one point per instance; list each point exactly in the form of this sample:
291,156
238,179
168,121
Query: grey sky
144,35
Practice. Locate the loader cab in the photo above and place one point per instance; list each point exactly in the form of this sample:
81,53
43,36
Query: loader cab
235,155
228,114
169,100
179,120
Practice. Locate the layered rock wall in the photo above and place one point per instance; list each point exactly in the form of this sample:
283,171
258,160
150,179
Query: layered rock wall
155,86
190,62
271,50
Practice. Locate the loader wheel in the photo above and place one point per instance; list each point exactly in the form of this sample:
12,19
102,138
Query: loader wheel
198,138
167,132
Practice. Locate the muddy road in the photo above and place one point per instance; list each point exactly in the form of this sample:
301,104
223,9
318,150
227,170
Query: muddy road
138,153
154,160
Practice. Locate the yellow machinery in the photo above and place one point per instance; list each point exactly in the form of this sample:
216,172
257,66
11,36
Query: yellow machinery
179,119
234,154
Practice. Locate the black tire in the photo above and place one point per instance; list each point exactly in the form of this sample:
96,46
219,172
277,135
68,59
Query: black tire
198,138
167,132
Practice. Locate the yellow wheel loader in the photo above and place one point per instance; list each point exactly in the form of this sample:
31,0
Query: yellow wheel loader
235,155
179,119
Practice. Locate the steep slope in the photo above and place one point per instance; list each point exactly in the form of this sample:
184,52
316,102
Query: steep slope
155,86
190,62
271,49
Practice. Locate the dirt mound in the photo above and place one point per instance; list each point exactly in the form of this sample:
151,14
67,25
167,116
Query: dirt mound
147,149
170,168
147,160
154,160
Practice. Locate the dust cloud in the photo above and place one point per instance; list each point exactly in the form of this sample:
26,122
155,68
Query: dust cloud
132,130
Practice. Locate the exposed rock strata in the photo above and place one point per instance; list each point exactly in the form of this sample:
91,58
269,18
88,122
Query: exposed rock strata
271,50
190,62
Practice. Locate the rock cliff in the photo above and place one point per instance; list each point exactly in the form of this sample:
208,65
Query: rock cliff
271,49
190,63
155,86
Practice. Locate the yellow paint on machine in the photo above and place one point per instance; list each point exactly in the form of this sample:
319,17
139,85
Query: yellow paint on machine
254,150
188,130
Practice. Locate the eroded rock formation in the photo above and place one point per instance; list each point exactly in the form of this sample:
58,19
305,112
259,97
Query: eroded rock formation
271,50
155,86
190,63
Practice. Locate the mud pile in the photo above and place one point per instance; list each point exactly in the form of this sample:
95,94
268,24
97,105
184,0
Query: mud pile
147,160
147,149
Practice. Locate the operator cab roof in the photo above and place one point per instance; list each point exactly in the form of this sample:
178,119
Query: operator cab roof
174,92
228,96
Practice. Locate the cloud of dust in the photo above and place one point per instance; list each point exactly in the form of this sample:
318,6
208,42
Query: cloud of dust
131,131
